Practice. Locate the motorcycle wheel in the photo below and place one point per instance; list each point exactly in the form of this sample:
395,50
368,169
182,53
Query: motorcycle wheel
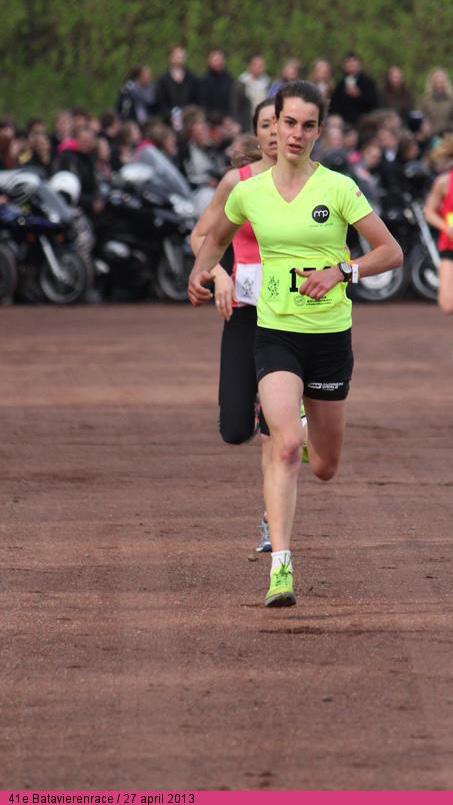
8,275
383,287
173,271
72,285
424,276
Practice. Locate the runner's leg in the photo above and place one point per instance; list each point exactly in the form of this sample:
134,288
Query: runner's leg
237,385
446,286
326,424
280,395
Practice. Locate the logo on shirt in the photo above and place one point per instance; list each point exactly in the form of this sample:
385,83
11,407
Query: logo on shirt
248,288
273,287
320,214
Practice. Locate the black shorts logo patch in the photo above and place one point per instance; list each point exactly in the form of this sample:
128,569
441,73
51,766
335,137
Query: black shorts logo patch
320,214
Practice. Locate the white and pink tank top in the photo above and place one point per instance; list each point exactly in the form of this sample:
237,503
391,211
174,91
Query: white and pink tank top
247,272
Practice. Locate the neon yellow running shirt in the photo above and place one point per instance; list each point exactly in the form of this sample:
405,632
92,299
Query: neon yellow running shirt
308,232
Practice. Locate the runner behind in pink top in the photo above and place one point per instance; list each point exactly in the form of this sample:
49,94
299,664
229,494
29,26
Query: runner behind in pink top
247,272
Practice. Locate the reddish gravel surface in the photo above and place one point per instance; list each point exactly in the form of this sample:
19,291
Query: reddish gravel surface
135,648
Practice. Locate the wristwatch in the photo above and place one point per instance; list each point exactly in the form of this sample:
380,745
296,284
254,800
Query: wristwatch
350,272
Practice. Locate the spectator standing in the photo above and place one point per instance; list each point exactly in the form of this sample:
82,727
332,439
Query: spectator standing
80,117
195,157
256,82
36,125
390,167
396,94
355,94
110,126
331,139
164,138
63,129
79,158
216,86
103,155
124,145
423,134
176,88
437,102
289,72
365,172
8,145
321,76
137,98
39,155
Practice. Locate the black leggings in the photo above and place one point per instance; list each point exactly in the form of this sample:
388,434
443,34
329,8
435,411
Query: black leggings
238,386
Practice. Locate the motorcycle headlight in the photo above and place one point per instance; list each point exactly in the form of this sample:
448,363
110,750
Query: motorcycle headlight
116,249
182,206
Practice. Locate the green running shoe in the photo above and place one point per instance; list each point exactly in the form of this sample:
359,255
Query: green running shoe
280,592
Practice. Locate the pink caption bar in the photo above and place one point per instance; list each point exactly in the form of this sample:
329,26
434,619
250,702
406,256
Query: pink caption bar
225,797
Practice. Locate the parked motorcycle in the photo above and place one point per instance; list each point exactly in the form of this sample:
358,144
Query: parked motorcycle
8,265
142,244
402,213
39,228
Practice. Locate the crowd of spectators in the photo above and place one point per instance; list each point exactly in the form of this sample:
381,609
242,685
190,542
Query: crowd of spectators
194,119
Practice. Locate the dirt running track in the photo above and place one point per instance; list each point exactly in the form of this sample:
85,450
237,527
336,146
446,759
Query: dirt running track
135,649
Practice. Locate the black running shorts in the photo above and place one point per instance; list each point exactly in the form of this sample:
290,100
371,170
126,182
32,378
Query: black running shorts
323,361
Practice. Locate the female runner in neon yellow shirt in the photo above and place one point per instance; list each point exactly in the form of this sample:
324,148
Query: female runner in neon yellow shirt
300,212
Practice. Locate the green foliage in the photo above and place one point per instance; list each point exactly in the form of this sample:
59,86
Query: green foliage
77,52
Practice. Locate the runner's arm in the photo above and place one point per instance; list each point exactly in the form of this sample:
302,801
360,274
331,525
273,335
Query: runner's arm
209,217
385,254
214,245
433,202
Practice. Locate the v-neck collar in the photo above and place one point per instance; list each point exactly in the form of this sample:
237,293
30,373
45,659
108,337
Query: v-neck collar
318,166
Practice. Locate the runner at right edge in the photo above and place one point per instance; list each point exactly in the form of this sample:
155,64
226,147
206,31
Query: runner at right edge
300,211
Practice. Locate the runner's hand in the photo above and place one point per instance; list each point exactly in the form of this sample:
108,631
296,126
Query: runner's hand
318,283
224,293
196,290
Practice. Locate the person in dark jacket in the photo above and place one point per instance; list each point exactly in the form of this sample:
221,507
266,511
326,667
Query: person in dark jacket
216,86
79,158
137,98
176,88
355,94
39,155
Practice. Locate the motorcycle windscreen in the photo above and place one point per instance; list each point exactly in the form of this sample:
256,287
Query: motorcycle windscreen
166,176
51,203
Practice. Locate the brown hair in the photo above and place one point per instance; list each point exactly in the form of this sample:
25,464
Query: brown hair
305,90
442,151
244,150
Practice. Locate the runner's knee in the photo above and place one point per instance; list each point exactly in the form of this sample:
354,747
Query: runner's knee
236,432
325,469
446,306
287,449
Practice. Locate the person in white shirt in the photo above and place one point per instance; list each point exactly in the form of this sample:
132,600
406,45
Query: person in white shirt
256,82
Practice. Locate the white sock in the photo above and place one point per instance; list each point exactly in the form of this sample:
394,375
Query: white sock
280,558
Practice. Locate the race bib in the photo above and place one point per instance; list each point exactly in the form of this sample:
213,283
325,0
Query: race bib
248,282
281,292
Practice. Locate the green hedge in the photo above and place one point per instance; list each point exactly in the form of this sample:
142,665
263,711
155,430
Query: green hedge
67,53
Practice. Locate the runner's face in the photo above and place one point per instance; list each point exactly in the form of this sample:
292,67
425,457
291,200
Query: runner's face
297,129
266,132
